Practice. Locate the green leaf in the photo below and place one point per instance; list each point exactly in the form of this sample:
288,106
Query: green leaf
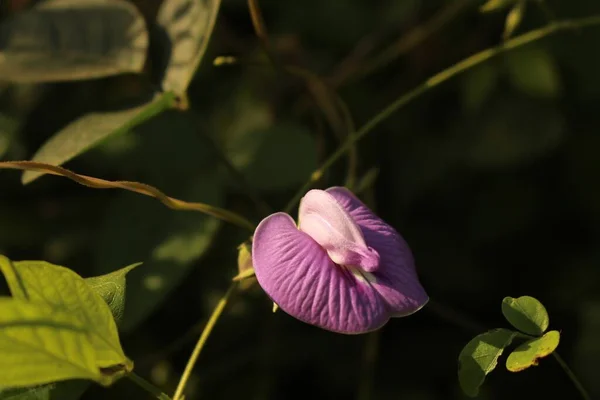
514,132
64,40
244,261
533,71
188,24
529,353
111,287
92,129
64,290
526,314
168,241
480,356
513,19
478,85
40,345
66,390
8,128
34,393
496,5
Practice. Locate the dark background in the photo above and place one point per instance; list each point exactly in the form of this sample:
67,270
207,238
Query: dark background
492,178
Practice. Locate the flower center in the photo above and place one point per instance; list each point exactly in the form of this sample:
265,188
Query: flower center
324,220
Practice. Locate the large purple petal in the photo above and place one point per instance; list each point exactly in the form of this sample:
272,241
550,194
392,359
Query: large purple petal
300,277
324,220
396,278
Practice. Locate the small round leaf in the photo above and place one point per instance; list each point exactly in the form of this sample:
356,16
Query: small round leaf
526,314
529,353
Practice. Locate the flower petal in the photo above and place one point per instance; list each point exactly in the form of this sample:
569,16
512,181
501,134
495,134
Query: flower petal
324,220
396,278
300,277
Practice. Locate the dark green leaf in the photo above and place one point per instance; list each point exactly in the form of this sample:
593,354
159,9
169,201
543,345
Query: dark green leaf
8,127
66,390
534,72
92,129
529,353
480,356
516,132
478,85
60,40
138,228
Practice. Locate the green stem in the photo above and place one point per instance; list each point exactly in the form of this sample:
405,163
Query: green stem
404,44
584,394
147,386
260,204
436,80
365,387
212,321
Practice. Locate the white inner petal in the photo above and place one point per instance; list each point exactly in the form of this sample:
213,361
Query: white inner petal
323,219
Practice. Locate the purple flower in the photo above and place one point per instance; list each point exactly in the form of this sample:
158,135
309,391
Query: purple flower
342,268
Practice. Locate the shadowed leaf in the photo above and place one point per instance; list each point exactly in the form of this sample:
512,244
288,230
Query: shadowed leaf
91,129
480,356
168,242
188,25
65,390
64,40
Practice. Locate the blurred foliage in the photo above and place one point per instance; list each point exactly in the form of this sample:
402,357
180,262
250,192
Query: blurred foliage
492,178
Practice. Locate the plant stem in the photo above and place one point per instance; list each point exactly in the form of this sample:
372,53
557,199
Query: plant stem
400,47
136,187
584,394
365,386
212,321
325,98
438,79
260,204
147,386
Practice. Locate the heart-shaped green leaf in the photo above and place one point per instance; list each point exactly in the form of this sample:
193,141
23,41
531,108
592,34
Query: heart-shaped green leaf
480,356
64,40
111,287
529,353
526,314
62,289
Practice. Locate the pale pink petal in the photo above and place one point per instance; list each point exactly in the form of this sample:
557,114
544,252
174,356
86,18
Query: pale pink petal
324,220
